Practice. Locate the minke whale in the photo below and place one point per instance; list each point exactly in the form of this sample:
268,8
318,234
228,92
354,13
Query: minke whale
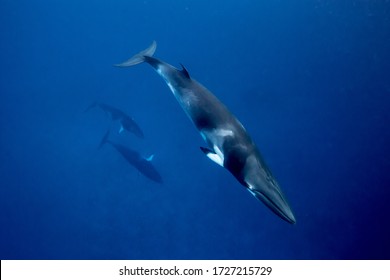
143,164
229,144
126,122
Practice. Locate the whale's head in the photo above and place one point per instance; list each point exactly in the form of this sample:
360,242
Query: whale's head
262,185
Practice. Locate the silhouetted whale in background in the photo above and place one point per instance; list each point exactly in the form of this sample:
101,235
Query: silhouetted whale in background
229,144
142,164
127,122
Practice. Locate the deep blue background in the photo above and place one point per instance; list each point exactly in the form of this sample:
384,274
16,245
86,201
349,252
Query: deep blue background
310,80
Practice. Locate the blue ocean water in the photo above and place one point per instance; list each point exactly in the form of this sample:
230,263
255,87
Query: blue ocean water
308,79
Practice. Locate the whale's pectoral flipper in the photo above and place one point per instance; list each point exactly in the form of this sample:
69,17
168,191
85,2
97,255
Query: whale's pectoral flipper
149,158
213,156
139,57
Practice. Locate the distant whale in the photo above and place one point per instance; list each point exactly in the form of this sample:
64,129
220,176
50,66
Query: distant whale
229,145
142,164
127,122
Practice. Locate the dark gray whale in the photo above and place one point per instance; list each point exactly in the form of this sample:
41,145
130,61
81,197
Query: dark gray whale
229,145
142,164
127,122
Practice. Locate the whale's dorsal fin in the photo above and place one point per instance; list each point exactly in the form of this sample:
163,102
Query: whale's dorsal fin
184,71
213,156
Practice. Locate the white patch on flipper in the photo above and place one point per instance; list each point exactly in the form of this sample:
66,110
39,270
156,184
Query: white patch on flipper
215,158
216,137
121,129
219,153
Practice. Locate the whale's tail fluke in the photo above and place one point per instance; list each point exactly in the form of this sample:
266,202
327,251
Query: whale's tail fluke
104,139
139,57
